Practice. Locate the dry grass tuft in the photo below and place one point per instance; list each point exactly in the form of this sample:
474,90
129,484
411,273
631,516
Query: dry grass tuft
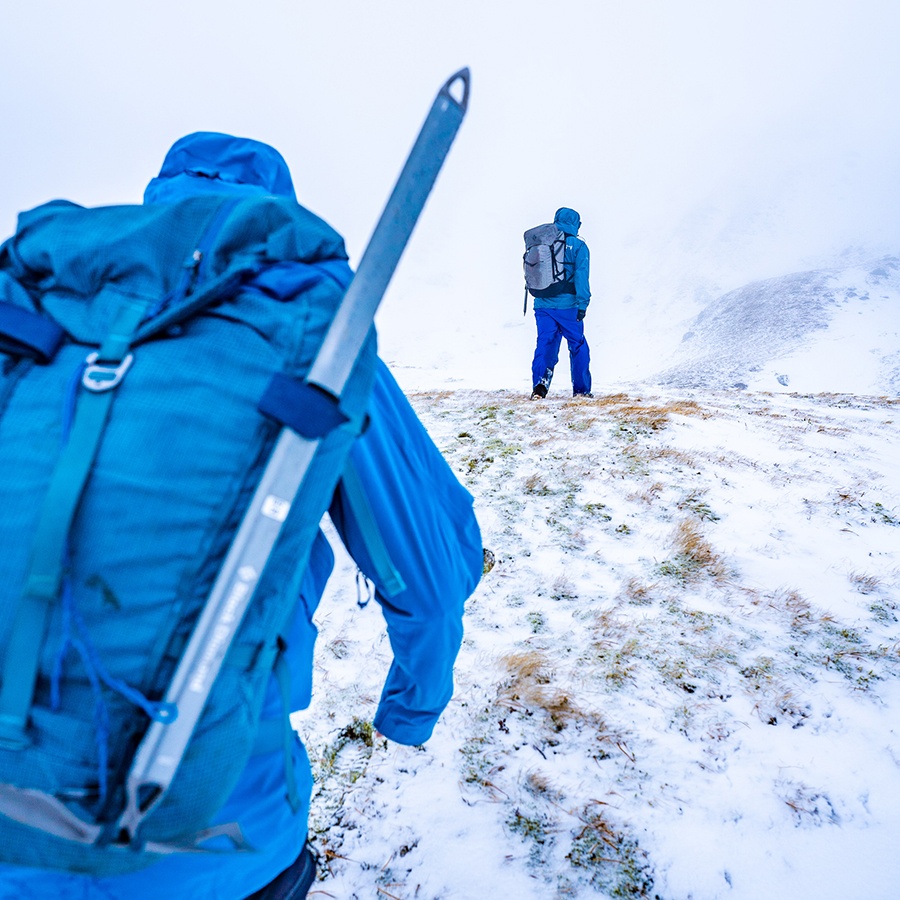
787,601
536,485
618,866
636,413
695,503
528,687
527,665
865,584
694,556
636,592
649,494
537,784
563,589
799,609
672,455
610,625
430,397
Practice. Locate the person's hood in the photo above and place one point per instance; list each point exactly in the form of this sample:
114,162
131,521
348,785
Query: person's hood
207,162
567,220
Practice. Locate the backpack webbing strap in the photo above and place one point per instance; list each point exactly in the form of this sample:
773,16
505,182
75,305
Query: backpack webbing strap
385,575
309,410
103,372
25,333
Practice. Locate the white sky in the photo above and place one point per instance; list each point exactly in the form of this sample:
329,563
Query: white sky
702,141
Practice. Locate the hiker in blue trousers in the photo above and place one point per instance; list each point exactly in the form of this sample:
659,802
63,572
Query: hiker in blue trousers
561,315
428,527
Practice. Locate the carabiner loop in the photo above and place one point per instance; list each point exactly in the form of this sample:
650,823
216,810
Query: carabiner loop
100,377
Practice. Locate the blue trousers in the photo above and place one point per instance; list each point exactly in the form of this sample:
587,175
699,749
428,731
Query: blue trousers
552,326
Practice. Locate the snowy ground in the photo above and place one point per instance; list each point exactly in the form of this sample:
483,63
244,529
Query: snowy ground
679,680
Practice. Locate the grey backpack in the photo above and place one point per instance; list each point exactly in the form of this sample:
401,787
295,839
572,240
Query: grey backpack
545,248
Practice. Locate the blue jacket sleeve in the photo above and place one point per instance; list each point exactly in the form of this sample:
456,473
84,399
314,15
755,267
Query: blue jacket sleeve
428,526
582,275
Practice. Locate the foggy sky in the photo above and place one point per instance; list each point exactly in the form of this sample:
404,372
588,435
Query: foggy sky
703,142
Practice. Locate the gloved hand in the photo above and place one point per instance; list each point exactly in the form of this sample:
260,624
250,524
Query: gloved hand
581,314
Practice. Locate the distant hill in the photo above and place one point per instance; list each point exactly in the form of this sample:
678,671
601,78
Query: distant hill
834,330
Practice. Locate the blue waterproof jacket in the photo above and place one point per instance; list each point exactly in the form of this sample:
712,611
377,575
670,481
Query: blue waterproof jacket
577,262
426,520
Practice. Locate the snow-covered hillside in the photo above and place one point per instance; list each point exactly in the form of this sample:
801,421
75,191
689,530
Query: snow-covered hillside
679,679
831,329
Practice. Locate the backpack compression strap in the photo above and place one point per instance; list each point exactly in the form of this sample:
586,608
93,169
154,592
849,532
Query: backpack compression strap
103,372
24,333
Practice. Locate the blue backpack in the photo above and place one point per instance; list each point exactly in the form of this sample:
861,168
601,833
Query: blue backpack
136,343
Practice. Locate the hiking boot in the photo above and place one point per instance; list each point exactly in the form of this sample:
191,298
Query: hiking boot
538,392
586,394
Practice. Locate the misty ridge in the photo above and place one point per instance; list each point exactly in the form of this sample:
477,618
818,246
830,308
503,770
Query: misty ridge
764,326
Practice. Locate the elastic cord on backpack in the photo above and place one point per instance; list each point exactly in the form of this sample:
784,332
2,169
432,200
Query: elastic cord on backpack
101,714
79,640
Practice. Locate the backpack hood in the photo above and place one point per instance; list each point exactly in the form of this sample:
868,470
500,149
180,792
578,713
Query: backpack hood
567,220
207,162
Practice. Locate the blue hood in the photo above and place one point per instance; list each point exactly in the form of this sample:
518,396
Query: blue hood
567,220
207,162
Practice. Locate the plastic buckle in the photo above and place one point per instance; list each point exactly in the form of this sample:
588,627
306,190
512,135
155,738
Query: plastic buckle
101,377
